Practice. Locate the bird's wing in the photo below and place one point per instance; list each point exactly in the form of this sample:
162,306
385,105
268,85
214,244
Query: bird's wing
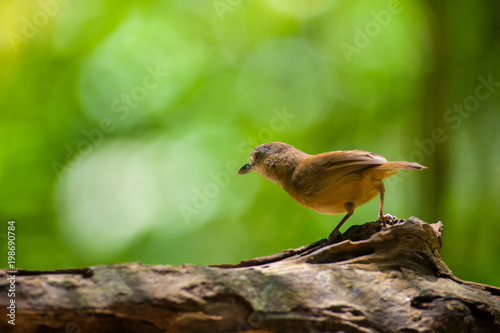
322,169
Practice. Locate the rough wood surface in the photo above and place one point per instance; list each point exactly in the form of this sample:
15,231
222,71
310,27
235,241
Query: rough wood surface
381,278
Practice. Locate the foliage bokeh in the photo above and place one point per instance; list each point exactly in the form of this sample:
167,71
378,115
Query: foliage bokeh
123,124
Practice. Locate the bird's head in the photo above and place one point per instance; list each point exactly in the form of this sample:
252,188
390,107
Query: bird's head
272,160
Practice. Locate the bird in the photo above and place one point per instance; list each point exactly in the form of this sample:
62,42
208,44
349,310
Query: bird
331,183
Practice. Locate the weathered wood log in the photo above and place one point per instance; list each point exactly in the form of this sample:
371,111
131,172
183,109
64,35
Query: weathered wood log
381,278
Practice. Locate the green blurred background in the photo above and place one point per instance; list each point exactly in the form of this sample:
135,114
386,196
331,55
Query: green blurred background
123,123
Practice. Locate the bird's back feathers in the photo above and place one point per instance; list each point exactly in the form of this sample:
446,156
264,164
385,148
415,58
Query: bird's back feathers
330,166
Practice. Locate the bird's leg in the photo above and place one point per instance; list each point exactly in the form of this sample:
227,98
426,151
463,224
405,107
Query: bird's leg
381,189
335,234
381,215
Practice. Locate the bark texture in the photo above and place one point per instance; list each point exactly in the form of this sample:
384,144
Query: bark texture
380,278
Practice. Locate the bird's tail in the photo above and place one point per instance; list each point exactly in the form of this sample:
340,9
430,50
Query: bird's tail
401,165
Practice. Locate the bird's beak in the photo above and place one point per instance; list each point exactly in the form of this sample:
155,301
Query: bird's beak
245,169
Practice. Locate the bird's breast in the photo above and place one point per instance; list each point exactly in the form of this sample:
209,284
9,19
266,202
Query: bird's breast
330,197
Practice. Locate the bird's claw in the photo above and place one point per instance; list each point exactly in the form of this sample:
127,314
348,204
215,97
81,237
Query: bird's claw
388,218
335,237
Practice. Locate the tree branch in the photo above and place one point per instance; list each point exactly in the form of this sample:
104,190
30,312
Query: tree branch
381,278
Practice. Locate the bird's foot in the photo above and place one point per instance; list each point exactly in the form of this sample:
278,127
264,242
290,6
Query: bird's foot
388,218
335,237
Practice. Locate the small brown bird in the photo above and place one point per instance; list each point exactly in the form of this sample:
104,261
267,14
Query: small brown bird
330,183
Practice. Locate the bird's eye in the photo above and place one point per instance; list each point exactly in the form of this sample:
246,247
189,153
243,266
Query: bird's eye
257,157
